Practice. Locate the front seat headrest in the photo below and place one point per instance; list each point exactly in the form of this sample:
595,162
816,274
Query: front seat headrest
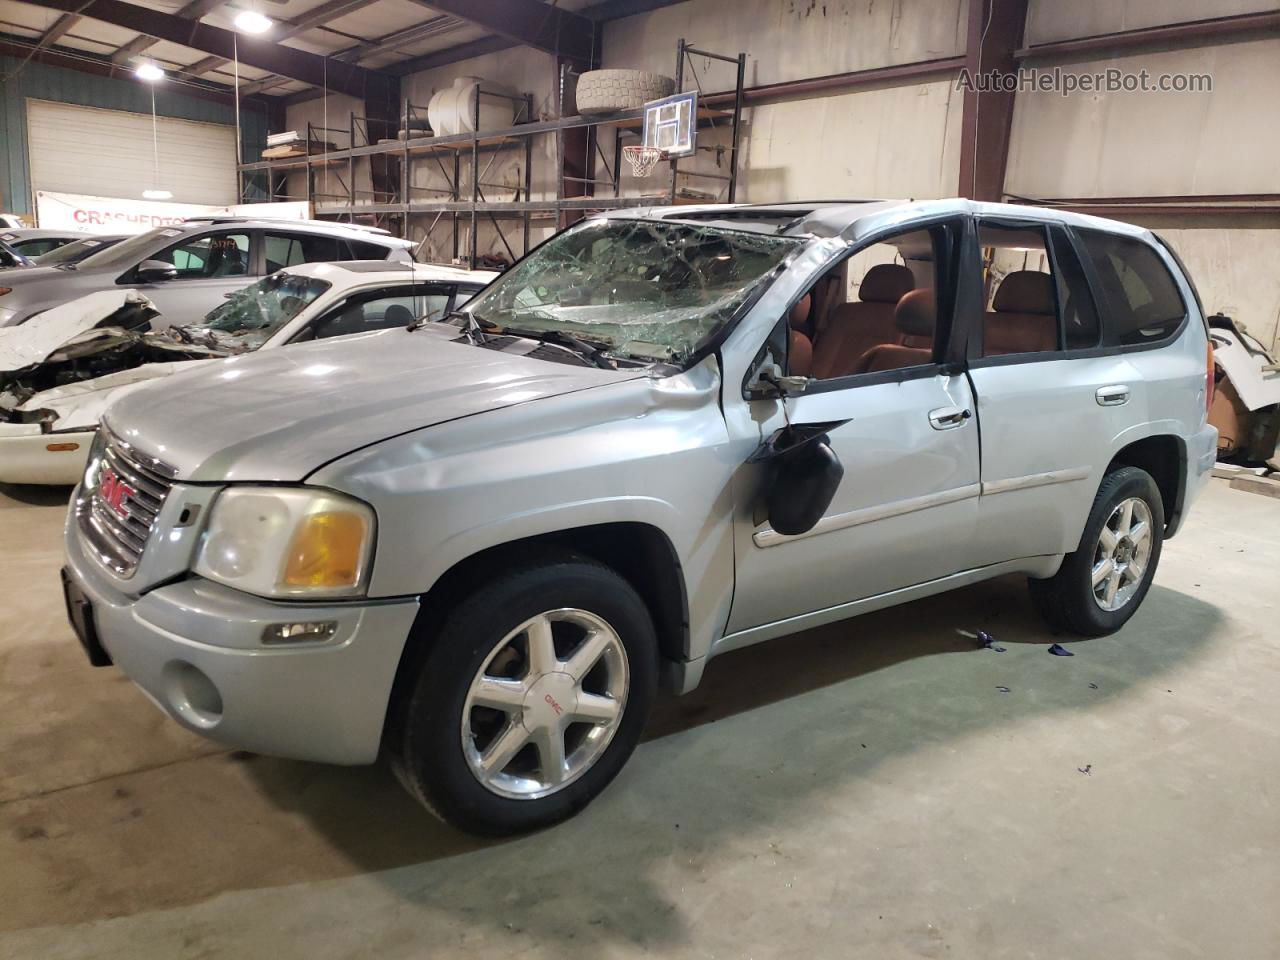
885,283
799,315
1024,291
917,313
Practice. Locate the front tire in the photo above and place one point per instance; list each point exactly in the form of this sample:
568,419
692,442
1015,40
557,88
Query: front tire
534,694
1103,582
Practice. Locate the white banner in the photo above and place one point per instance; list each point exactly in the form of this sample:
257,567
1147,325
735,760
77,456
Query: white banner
72,211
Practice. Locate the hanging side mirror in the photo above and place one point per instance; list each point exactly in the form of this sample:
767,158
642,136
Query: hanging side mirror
803,475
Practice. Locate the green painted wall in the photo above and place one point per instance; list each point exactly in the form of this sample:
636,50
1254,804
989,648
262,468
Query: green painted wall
43,82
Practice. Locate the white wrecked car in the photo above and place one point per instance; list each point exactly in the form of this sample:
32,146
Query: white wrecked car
60,370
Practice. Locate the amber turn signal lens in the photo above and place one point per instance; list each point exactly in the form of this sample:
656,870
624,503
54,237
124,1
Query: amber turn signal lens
327,551
61,447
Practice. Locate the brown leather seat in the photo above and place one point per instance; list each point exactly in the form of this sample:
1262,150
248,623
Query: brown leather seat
854,328
915,318
800,350
1022,317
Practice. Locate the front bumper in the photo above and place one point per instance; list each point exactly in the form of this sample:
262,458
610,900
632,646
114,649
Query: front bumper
194,647
26,457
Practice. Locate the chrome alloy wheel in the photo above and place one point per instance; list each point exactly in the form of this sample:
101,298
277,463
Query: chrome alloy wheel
545,704
1124,549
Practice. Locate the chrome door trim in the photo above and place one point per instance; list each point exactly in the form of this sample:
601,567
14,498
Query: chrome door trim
768,537
1031,480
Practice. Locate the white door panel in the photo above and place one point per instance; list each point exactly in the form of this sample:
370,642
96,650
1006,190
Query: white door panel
905,511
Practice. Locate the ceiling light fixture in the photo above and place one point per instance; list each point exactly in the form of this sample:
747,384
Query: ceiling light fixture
250,21
149,72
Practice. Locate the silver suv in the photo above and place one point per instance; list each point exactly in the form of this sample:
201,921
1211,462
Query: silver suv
480,545
187,269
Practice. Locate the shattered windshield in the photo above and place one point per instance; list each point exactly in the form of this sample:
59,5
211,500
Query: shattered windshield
256,312
643,288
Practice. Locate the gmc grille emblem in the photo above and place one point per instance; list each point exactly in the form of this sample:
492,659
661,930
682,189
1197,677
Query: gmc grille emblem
115,492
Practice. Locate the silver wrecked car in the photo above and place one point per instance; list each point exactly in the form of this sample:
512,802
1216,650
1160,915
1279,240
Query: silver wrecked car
481,544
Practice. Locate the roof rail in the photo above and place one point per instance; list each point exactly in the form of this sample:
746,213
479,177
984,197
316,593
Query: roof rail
243,217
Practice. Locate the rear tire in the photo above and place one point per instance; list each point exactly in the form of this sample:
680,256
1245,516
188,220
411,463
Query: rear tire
497,735
1102,583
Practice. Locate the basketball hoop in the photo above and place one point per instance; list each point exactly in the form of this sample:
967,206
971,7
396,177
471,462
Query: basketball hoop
642,158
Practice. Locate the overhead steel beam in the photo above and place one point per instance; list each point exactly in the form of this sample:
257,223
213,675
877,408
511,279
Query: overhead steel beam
61,27
192,11
262,55
994,31
289,29
1174,35
542,26
95,65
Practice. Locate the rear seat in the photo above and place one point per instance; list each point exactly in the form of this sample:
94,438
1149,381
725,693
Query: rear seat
854,328
1022,318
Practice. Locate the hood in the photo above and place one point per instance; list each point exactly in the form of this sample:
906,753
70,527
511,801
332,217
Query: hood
277,415
98,315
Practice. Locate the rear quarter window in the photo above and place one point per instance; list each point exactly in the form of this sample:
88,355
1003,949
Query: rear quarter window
1140,299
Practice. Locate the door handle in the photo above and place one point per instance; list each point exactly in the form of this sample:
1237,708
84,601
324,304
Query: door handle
947,418
1112,396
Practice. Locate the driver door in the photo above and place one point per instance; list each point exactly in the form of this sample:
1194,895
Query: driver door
906,508
209,266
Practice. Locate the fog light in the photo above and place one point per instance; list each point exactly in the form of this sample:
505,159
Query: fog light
316,631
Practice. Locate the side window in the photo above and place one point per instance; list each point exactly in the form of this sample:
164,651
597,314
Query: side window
33,248
1080,327
290,249
212,255
877,310
367,251
398,307
1019,289
1141,300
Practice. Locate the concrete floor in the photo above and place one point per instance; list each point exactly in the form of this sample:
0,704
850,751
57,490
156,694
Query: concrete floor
864,789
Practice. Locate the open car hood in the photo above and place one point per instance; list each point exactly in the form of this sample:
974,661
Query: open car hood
96,317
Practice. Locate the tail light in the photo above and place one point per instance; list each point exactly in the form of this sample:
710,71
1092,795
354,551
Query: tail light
1209,374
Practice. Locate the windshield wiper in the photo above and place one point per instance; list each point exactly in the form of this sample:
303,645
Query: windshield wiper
587,351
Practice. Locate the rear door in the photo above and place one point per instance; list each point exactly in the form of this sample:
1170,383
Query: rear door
1050,399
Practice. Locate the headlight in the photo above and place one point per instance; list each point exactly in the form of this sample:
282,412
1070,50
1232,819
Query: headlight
288,542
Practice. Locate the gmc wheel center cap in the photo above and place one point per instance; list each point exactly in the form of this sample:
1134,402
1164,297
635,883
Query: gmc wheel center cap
551,699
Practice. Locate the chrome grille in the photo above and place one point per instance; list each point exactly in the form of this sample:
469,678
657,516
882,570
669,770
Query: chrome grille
119,501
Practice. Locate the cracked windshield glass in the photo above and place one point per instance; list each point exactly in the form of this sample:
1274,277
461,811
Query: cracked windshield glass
642,289
250,316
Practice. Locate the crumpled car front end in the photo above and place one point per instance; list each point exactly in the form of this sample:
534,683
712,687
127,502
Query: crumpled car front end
59,371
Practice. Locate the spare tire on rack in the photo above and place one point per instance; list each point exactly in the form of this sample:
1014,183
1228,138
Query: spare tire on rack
612,91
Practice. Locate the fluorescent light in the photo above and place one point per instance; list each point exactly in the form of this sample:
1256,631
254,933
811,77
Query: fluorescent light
250,21
156,195
149,72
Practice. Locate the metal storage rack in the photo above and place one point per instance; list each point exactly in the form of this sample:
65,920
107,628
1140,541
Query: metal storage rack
462,202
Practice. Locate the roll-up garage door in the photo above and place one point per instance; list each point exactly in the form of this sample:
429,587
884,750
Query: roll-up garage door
107,153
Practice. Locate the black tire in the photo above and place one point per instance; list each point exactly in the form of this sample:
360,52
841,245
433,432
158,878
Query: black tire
1066,600
612,91
426,746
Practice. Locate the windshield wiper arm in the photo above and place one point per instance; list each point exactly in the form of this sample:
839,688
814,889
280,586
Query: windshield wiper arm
560,338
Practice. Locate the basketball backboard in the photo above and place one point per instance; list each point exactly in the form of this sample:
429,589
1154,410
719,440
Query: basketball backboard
670,124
